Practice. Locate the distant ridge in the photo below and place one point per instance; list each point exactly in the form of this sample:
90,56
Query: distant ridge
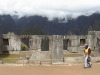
38,25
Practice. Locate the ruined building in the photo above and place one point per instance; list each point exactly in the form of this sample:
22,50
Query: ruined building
45,47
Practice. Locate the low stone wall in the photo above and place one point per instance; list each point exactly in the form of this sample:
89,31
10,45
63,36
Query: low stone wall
80,59
96,59
73,59
40,56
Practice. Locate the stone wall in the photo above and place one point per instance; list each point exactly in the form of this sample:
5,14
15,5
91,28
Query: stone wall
57,49
10,42
51,47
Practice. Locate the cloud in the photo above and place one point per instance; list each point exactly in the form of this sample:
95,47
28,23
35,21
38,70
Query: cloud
49,8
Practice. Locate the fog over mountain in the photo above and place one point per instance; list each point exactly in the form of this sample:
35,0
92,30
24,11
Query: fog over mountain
49,8
39,25
49,17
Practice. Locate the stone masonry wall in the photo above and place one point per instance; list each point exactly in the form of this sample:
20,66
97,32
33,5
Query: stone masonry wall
54,43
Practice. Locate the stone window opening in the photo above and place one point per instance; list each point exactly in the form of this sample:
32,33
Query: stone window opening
45,44
5,42
24,44
66,44
82,42
98,45
31,44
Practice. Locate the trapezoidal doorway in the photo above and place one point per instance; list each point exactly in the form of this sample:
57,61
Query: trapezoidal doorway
45,44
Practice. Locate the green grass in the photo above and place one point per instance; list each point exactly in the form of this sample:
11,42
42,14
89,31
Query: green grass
10,58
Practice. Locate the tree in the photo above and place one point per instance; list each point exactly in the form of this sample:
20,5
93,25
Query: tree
32,31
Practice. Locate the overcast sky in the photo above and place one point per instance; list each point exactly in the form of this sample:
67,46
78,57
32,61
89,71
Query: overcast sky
49,8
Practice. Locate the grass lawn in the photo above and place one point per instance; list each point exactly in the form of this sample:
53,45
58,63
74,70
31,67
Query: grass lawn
10,58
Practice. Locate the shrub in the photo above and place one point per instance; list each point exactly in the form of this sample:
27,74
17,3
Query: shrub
24,47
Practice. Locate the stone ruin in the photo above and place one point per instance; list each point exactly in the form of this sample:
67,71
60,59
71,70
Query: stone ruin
50,47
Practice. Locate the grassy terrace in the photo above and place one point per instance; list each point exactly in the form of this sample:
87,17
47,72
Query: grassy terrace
10,58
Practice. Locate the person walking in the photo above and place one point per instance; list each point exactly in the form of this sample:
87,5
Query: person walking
87,53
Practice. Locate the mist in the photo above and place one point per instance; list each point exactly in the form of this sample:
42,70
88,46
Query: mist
49,8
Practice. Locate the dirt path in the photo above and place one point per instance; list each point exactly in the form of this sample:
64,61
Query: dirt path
50,70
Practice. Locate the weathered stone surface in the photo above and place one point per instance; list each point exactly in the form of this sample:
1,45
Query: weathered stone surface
51,47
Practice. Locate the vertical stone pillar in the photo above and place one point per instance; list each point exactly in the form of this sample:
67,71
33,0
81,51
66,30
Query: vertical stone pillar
97,46
97,51
14,43
57,49
91,39
35,42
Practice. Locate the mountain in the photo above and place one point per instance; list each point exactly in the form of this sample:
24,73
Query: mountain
32,31
48,27
38,25
7,24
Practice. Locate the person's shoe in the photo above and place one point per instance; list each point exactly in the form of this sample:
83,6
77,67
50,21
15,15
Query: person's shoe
90,65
